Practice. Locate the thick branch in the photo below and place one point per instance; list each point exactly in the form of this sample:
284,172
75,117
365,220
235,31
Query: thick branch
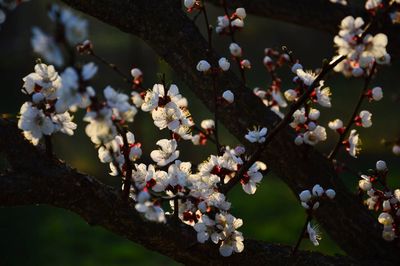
40,180
316,14
167,29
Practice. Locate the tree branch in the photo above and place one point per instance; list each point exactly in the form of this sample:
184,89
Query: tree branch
42,180
316,14
167,29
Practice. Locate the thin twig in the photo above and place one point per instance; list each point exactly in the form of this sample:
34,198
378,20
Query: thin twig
214,77
232,35
125,78
281,125
351,121
302,234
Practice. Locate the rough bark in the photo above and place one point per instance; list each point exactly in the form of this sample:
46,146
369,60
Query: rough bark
43,180
316,14
167,29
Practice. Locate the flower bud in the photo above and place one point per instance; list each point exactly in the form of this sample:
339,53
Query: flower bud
386,206
235,50
203,66
290,95
377,93
357,72
267,60
305,205
239,150
385,218
397,194
228,96
224,64
189,3
396,149
240,12
295,67
238,23
311,126
330,193
314,114
317,190
305,195
381,166
315,206
299,140
136,73
364,185
245,63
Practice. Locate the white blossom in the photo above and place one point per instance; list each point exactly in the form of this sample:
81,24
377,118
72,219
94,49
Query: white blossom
34,123
312,137
257,135
63,123
151,211
307,77
45,80
253,177
365,117
335,124
313,234
46,47
166,154
354,143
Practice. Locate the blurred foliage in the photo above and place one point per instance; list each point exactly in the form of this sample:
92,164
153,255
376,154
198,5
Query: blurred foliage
41,235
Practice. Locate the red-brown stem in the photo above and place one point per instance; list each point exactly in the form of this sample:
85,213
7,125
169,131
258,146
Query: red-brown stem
128,163
281,125
209,29
125,78
232,35
195,127
214,77
217,143
302,234
351,121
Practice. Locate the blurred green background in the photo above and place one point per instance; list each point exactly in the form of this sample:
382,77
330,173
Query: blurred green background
43,235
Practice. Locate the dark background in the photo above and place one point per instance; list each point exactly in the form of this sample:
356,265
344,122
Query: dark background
42,235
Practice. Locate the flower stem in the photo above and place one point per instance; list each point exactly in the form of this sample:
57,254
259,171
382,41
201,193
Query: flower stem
281,125
353,116
302,234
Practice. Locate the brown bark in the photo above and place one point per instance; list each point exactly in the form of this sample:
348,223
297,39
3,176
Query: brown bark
42,180
167,29
317,14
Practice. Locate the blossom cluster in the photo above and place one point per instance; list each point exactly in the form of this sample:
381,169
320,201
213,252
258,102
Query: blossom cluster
70,30
361,50
310,199
382,199
169,187
272,96
39,116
